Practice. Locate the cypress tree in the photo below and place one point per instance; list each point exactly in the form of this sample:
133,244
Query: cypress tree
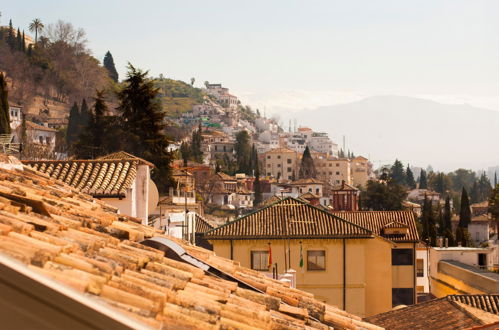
30,50
242,149
24,43
307,168
474,194
19,40
111,68
185,152
423,183
73,131
447,217
411,182
465,212
195,148
397,173
495,179
11,38
4,106
85,117
144,124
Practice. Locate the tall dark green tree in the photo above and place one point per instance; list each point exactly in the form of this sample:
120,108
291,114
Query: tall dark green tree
195,147
110,67
24,43
307,168
4,106
411,182
425,235
185,152
465,212
380,196
447,217
495,179
19,40
85,117
439,183
423,182
73,131
144,124
397,173
242,149
11,36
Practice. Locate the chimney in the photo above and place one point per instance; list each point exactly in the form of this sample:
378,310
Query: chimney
446,242
170,191
440,242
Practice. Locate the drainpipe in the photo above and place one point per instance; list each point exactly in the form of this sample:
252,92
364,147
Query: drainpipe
344,276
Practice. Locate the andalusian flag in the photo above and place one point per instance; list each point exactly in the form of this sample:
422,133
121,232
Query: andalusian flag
301,256
270,256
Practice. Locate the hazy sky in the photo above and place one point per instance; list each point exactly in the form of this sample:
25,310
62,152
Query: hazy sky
289,55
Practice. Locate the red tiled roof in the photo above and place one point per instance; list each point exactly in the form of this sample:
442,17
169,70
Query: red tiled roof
82,243
377,220
439,314
485,302
99,178
292,218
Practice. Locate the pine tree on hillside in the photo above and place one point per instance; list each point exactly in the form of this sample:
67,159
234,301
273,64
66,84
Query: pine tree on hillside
24,43
111,68
143,122
242,150
19,40
397,173
195,148
307,168
4,106
73,131
423,183
465,212
11,38
411,182
85,117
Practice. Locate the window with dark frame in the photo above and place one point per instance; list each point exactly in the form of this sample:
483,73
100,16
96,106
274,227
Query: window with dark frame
419,267
402,296
260,260
316,260
402,257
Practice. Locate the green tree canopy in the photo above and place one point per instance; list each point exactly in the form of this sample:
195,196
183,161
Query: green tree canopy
242,150
410,181
110,67
307,168
423,183
144,124
465,212
397,173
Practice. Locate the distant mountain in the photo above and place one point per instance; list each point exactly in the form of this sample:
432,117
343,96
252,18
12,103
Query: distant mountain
414,130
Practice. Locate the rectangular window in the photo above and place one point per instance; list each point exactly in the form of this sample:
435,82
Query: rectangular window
290,169
268,157
337,164
316,260
337,173
419,267
289,161
278,157
402,257
402,296
278,165
260,260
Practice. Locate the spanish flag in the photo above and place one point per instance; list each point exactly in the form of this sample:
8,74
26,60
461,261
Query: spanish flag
270,256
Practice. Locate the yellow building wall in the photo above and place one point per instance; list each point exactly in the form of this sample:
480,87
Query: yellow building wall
368,269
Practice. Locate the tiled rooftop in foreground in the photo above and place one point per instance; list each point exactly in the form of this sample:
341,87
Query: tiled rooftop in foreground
49,230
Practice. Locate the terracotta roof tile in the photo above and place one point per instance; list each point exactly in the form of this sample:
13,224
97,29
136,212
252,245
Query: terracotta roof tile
99,178
83,243
202,225
485,302
377,220
288,217
439,313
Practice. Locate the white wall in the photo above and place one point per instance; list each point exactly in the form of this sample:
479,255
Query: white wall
423,281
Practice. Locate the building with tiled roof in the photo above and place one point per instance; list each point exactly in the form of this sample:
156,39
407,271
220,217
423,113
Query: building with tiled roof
70,261
340,262
400,228
486,302
439,314
120,179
